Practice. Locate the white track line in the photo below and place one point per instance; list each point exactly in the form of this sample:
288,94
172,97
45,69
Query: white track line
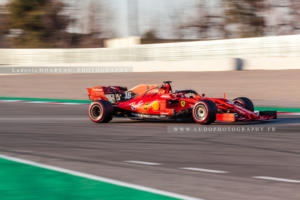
99,178
8,101
204,170
277,179
141,162
70,103
289,113
36,102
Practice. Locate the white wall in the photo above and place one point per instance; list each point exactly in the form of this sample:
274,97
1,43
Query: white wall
281,52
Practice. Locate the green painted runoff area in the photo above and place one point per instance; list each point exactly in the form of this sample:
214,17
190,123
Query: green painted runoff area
20,181
88,101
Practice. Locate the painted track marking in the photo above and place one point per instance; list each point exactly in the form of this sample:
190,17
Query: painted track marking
8,101
36,102
277,179
204,170
99,178
141,162
289,113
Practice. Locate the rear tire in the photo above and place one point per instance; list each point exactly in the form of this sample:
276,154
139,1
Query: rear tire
205,112
244,102
101,111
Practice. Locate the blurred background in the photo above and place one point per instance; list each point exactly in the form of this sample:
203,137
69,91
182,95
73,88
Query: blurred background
52,50
83,24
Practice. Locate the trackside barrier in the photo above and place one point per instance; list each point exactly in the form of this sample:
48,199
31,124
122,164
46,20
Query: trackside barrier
265,53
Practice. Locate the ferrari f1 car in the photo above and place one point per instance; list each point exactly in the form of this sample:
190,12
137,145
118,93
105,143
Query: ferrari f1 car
162,103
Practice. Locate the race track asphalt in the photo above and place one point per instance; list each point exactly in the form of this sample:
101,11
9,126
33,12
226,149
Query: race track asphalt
228,157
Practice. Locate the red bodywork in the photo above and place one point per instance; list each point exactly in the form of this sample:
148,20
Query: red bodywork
150,101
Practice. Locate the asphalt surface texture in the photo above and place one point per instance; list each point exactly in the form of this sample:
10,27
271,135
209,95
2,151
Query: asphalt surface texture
277,88
220,161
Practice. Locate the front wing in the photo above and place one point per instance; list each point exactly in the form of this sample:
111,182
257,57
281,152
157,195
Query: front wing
260,116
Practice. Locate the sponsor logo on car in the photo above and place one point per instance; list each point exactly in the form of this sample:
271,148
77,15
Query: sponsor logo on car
182,103
155,105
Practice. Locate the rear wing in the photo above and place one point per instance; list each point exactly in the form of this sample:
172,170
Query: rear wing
110,93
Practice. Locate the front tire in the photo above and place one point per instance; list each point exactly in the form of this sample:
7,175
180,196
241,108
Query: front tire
101,111
244,102
205,112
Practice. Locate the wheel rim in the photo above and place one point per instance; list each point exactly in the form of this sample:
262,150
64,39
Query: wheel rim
96,112
200,113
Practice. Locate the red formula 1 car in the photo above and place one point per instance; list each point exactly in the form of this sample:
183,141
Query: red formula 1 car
161,103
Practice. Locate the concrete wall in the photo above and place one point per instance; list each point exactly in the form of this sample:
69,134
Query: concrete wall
264,53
